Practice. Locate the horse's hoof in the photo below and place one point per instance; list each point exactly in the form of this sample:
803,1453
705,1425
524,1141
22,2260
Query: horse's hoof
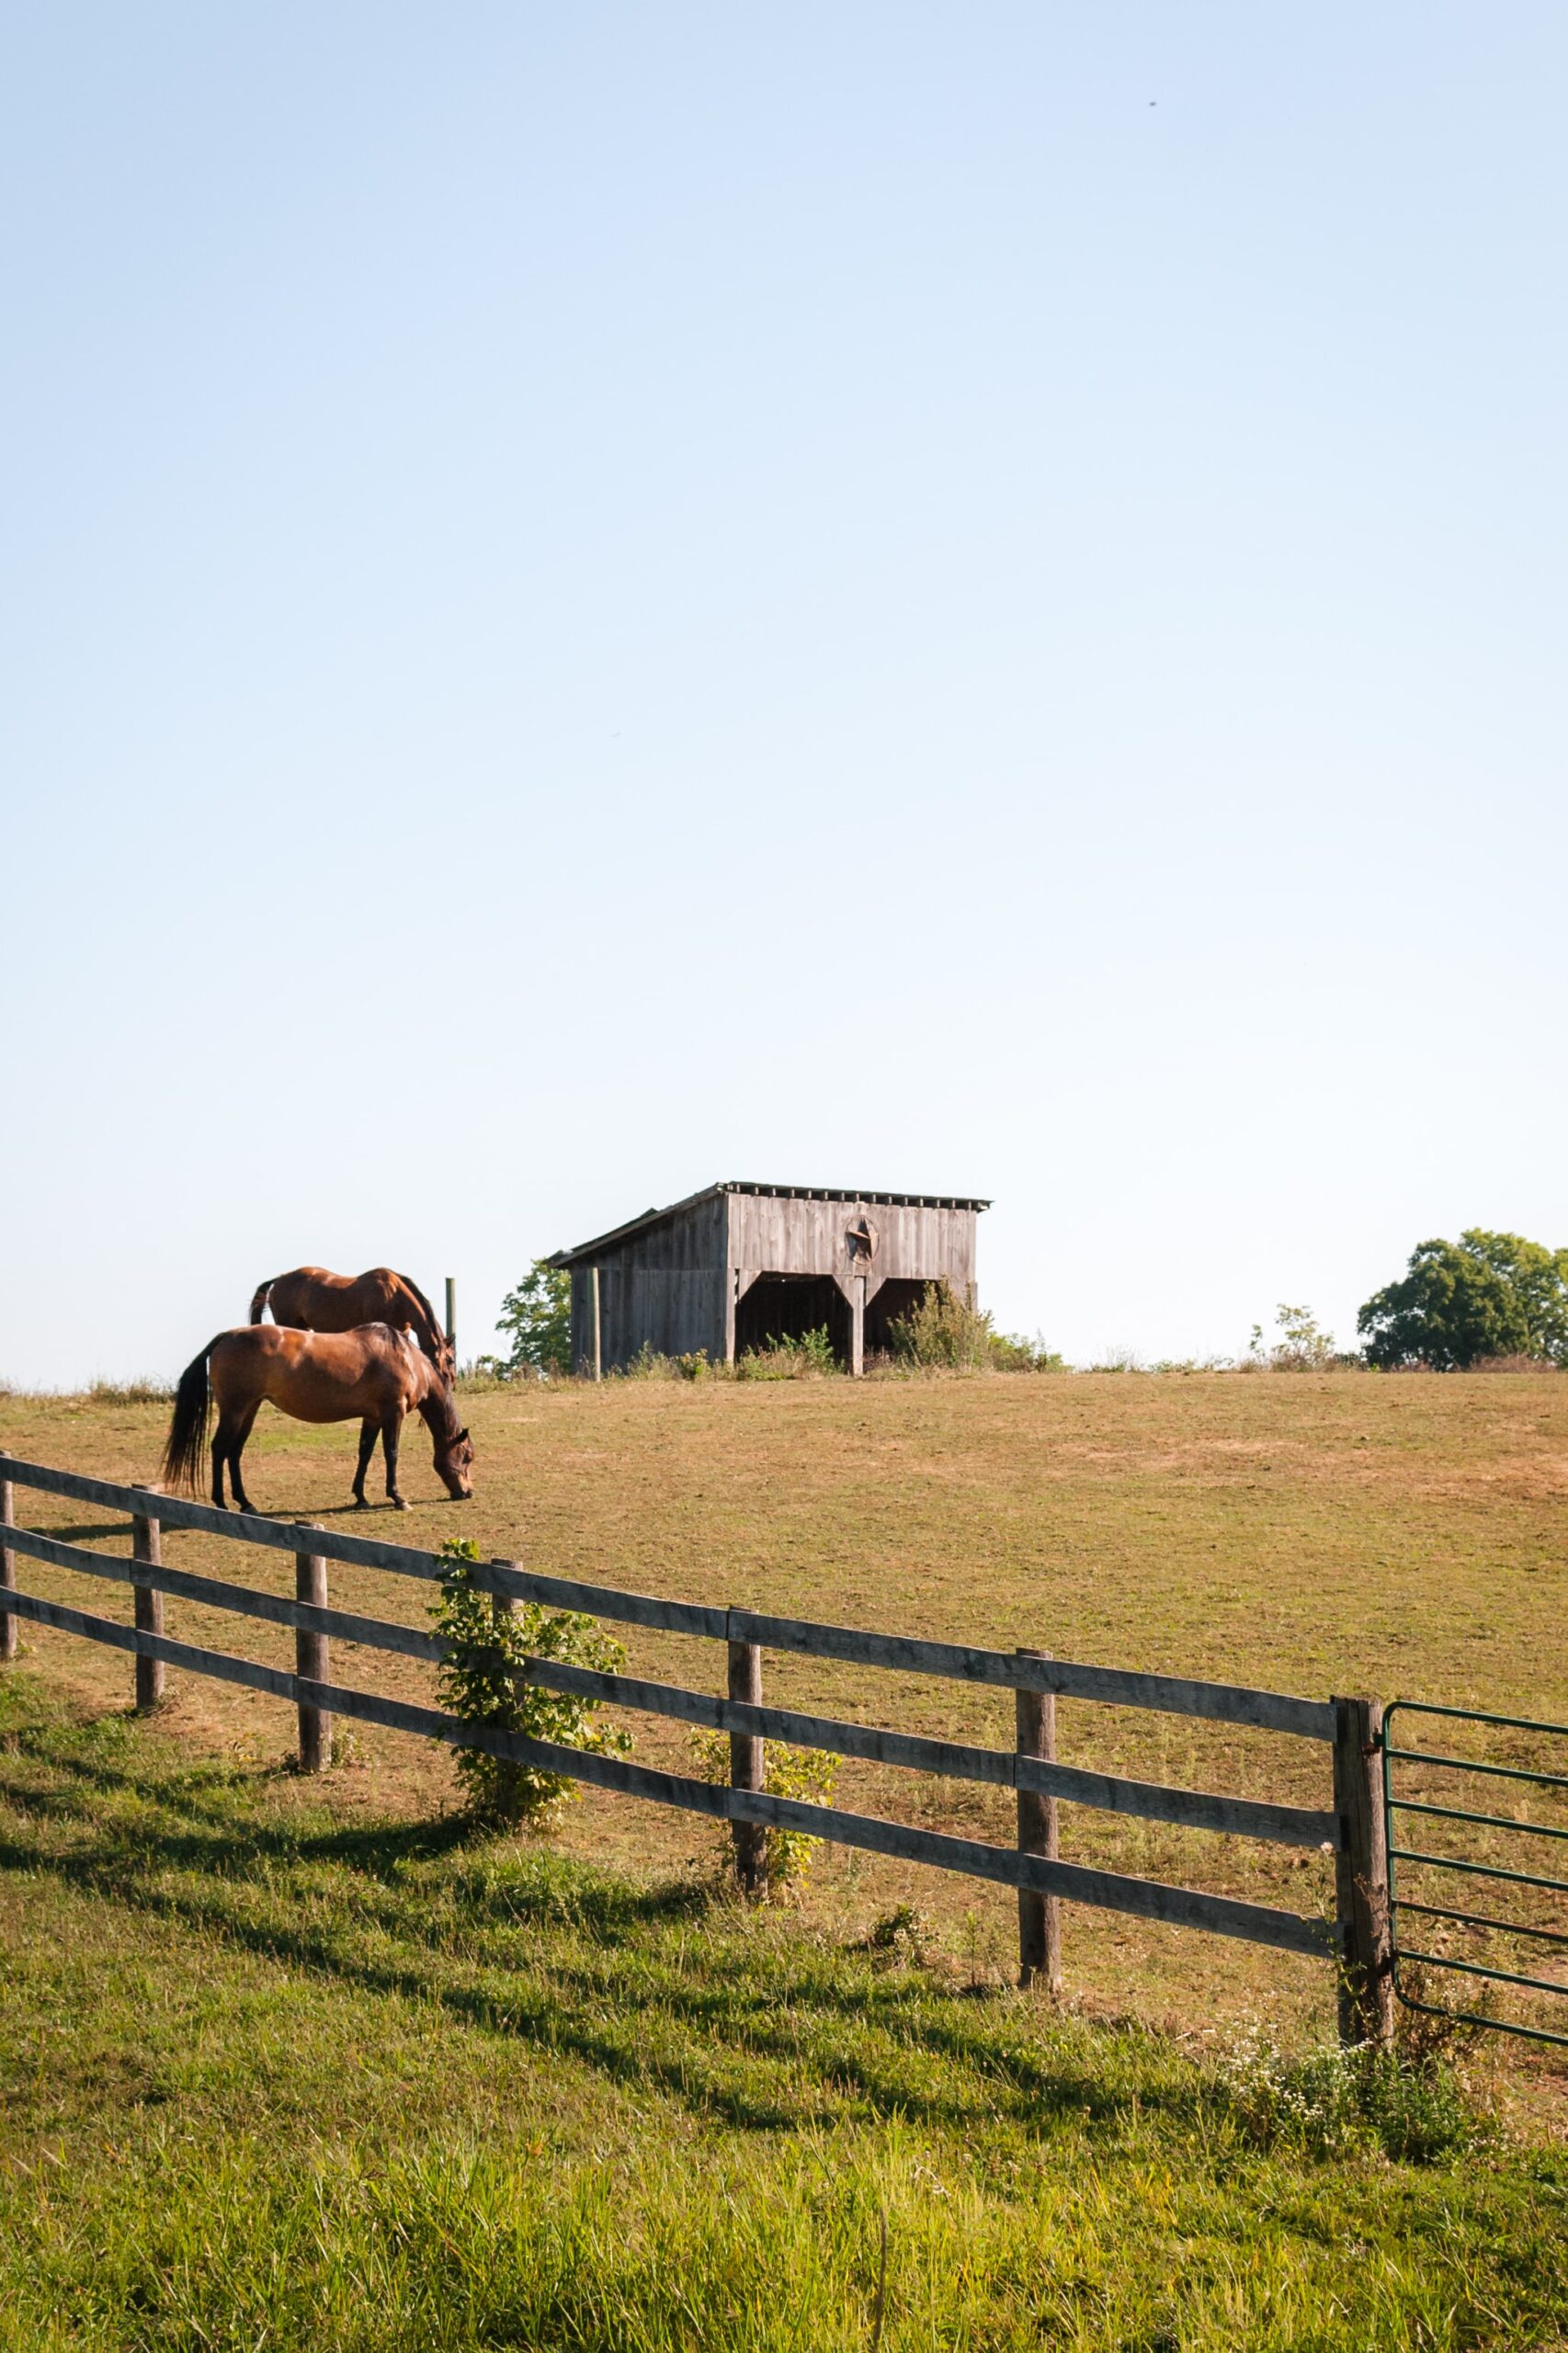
360,1504
397,1503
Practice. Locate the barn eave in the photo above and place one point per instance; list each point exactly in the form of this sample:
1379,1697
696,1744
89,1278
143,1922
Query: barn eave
584,1252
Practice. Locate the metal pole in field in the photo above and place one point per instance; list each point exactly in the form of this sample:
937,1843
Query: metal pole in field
452,1312
146,1545
598,1336
1039,1917
7,1579
311,1661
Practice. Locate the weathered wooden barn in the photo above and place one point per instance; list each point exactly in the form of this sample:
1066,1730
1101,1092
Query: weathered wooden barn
734,1266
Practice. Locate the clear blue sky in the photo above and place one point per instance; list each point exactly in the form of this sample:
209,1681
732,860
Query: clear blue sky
921,596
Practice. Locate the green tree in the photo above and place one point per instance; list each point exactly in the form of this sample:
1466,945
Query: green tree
1485,1295
538,1314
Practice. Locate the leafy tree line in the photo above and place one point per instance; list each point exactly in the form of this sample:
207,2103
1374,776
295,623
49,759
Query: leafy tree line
1486,1298
1459,1303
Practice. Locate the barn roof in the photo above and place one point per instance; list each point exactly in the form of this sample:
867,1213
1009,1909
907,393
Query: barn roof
602,1242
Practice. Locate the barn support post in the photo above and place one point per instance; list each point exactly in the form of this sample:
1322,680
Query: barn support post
598,1327
7,1579
747,1769
1361,1876
1039,1917
857,1326
311,1661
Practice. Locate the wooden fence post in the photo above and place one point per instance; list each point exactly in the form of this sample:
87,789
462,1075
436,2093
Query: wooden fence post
146,1545
311,1660
746,1768
504,1605
1361,1875
1039,1917
452,1312
7,1579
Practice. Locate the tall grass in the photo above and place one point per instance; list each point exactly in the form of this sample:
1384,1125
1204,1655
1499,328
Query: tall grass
456,2246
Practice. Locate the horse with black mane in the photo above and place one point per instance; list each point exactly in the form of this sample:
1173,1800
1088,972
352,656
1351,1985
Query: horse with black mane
374,1374
312,1299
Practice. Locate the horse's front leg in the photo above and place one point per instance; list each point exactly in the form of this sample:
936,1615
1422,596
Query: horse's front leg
391,1430
366,1448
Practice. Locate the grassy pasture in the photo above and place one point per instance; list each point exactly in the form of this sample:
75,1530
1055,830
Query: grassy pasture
279,2077
289,2064
1309,1534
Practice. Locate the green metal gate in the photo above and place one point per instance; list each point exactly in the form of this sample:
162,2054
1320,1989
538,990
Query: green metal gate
1475,1852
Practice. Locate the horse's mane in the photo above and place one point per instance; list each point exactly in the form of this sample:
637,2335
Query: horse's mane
420,1300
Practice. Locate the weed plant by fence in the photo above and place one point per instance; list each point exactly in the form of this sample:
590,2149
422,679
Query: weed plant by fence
1349,1822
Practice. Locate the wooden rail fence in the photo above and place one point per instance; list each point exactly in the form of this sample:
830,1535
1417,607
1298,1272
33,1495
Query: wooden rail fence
1350,1825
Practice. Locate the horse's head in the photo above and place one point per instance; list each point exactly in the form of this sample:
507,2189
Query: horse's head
445,1359
454,1463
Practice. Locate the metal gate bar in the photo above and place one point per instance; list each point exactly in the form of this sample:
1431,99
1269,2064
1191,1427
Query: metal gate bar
1397,1854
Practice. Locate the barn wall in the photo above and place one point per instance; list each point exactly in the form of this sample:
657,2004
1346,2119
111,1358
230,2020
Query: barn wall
784,1237
667,1289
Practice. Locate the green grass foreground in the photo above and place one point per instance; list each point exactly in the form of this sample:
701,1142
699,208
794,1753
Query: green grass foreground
276,2078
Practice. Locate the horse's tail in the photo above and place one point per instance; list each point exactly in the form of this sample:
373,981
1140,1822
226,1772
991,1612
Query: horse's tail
183,1456
259,1301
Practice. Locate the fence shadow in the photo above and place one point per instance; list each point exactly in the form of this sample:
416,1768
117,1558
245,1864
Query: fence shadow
665,1988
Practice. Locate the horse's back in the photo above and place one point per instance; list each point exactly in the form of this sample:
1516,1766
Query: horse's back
316,1300
315,1376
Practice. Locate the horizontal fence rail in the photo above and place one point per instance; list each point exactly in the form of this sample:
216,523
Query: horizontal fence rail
1240,1817
1149,1899
1031,1769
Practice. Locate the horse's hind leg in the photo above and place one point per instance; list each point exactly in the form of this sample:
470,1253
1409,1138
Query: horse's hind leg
241,1430
391,1430
230,1436
366,1448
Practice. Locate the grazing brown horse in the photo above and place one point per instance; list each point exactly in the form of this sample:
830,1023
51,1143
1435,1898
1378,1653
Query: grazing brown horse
372,1374
312,1300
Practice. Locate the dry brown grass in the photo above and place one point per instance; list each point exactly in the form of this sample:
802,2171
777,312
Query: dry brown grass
1317,1533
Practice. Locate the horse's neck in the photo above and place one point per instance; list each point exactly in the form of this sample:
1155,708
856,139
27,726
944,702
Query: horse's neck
436,1405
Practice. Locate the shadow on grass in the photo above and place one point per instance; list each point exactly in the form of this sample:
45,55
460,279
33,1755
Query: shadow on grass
666,1987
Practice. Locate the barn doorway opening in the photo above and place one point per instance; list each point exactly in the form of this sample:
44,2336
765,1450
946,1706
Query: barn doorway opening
897,1298
786,1307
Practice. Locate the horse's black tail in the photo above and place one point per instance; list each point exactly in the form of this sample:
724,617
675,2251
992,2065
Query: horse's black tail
259,1301
184,1456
